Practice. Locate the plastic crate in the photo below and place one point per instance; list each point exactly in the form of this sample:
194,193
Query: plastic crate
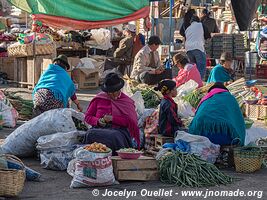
256,111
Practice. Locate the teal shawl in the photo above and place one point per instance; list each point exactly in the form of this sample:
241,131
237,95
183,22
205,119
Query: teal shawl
58,81
219,114
218,74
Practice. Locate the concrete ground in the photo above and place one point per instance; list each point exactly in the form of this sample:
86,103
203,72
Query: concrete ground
55,184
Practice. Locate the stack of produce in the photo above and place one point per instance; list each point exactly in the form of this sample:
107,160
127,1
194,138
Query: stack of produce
189,170
24,107
239,91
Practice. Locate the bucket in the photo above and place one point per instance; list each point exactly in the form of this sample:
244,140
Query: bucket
254,59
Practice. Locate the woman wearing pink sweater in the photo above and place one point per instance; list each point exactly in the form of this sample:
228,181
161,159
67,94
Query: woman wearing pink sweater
112,116
187,71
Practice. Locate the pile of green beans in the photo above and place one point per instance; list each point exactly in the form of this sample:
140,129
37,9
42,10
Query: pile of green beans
188,170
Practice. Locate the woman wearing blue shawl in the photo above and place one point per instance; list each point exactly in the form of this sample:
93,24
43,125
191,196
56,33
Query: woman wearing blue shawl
222,72
54,87
219,118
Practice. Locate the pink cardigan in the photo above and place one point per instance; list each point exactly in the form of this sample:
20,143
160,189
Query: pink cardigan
189,72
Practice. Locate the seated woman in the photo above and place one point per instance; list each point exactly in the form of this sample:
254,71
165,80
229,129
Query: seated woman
219,118
222,72
113,117
54,87
169,122
187,71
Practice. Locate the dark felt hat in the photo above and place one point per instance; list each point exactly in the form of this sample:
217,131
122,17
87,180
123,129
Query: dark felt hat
63,59
112,83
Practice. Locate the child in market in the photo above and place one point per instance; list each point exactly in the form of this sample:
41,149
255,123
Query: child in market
169,122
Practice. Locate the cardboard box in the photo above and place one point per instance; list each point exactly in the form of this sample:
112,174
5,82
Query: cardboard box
86,78
141,169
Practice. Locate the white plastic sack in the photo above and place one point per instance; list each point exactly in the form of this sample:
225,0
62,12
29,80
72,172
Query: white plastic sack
254,133
59,140
90,169
127,89
102,37
86,63
21,142
200,146
186,88
9,114
185,110
138,102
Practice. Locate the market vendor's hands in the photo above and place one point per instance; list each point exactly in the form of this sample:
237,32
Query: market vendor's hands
79,107
102,122
107,118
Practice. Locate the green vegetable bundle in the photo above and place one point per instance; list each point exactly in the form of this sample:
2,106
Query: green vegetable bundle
24,107
189,170
151,99
194,98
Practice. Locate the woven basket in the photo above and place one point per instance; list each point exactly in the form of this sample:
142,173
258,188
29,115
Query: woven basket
11,180
25,50
248,159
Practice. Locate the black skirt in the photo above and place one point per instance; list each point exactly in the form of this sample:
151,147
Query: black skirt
114,138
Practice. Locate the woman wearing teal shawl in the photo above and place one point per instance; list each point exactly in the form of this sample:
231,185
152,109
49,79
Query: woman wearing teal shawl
219,118
54,87
222,72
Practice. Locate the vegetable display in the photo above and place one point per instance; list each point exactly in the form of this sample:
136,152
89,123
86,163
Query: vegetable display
189,170
97,147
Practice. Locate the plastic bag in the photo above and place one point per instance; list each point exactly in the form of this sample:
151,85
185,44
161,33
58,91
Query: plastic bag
9,114
139,103
127,89
186,88
200,146
91,169
21,142
56,150
185,110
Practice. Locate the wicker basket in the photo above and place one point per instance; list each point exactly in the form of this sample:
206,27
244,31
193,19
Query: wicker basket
11,180
25,50
248,159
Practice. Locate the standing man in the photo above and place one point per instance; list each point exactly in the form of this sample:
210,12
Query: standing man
210,23
146,67
195,36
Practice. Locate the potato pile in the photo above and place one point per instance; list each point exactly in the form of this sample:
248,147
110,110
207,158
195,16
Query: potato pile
97,147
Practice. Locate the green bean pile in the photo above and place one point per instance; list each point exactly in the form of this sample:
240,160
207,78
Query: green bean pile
188,170
151,99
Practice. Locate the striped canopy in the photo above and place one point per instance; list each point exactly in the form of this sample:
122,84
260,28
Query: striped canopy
84,14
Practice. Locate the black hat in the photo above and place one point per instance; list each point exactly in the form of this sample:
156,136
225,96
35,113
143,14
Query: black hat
112,83
63,59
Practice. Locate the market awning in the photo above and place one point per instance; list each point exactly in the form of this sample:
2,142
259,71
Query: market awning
84,14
